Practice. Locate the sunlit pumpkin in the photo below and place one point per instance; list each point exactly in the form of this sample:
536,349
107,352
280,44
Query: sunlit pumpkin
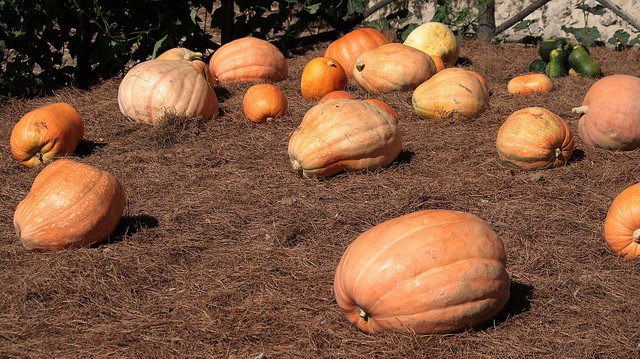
383,105
320,76
622,223
530,83
248,59
337,94
435,38
264,102
347,48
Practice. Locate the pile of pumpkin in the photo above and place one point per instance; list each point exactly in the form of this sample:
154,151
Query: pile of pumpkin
432,271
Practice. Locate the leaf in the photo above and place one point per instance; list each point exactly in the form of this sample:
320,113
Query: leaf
313,8
596,10
157,46
587,35
524,24
619,39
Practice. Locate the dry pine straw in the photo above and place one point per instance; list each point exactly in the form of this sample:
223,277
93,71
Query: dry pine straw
224,252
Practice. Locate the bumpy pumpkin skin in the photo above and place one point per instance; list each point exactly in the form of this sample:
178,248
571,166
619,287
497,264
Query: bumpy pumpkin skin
383,105
320,76
622,223
46,132
264,102
344,135
427,272
611,113
347,48
155,89
70,205
530,83
534,138
248,59
435,38
392,67
451,93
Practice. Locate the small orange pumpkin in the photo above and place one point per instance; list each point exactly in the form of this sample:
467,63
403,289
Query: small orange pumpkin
337,94
622,223
347,48
46,132
264,102
383,105
248,59
534,138
530,83
320,76
70,204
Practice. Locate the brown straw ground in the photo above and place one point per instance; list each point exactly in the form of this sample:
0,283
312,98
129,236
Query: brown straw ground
223,252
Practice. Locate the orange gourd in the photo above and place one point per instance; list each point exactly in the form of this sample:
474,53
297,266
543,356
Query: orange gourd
347,48
70,204
530,83
392,67
320,76
534,138
426,272
264,102
248,59
337,94
383,105
344,135
46,132
438,62
610,113
622,223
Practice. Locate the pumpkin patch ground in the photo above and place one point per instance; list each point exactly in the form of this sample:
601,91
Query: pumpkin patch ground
223,251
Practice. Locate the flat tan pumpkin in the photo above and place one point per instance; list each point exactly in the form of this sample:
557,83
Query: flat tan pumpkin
622,223
248,59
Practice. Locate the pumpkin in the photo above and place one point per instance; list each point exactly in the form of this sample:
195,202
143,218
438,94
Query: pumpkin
344,135
347,48
383,105
70,204
46,132
451,93
610,113
427,272
483,81
320,76
534,138
530,83
248,59
392,67
337,94
155,89
437,61
622,223
264,102
435,38
182,53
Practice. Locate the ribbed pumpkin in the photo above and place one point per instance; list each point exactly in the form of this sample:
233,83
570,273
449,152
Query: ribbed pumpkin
264,102
70,204
46,132
611,113
155,89
344,135
426,272
182,53
534,138
622,224
530,83
451,93
383,105
392,67
435,38
248,59
320,76
347,48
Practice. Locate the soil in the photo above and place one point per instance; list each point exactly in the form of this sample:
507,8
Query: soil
224,252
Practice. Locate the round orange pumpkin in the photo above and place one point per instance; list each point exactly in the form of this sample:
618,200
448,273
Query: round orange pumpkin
534,138
426,272
530,83
320,76
347,48
70,204
46,132
392,67
264,102
248,59
611,113
344,135
622,224
451,93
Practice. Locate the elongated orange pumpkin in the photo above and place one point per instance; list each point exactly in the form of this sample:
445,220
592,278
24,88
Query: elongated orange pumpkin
530,83
320,76
248,59
347,48
70,204
264,102
46,132
426,272
622,224
344,135
534,138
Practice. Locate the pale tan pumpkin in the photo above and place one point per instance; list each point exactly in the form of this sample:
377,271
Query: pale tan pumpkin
248,59
622,223
347,48
70,204
435,38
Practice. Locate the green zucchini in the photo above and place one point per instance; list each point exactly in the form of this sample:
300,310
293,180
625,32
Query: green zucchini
537,65
580,61
546,46
558,65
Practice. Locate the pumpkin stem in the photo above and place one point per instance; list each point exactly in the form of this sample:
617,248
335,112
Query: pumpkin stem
331,63
362,314
636,235
359,66
582,109
557,152
39,157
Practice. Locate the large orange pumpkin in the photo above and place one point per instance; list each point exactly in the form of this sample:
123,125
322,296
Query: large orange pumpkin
392,67
622,224
46,132
611,113
155,89
320,76
264,102
534,138
70,204
182,53
530,83
344,135
248,59
451,93
383,105
427,272
347,48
